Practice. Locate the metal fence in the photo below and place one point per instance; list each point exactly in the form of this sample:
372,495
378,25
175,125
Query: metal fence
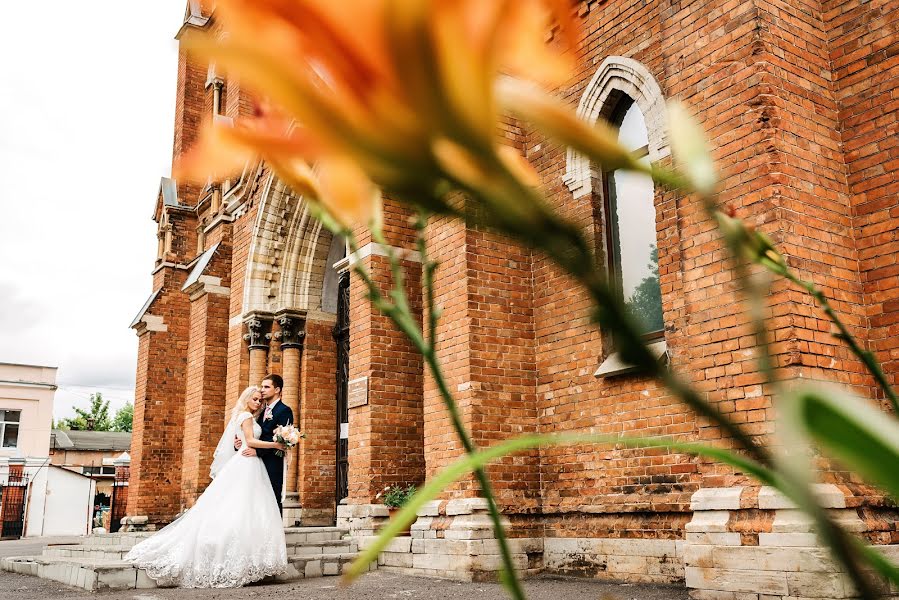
119,503
13,497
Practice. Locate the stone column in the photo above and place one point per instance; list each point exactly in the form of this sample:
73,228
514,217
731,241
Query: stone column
258,336
292,334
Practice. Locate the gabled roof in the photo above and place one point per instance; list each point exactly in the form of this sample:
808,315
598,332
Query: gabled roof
194,15
167,196
200,265
92,440
143,309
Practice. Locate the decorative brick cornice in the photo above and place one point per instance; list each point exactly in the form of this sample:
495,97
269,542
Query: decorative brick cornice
149,323
206,284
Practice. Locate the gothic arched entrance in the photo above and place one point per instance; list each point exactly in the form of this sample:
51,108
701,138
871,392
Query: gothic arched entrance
292,303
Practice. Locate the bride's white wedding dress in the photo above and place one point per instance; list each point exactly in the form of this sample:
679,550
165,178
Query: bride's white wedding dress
232,536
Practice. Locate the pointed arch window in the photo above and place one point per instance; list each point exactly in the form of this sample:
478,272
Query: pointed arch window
630,223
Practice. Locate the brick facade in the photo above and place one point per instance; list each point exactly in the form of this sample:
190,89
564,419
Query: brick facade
798,101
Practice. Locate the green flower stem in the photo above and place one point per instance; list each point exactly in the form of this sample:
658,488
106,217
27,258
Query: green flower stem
746,244
400,312
865,356
829,531
484,456
567,247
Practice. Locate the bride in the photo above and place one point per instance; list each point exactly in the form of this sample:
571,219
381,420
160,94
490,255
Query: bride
233,535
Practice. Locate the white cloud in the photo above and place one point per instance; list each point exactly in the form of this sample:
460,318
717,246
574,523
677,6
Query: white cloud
86,125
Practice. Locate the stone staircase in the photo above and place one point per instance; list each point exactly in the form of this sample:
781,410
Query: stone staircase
96,563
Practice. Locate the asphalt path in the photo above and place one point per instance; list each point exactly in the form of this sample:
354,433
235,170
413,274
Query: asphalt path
377,585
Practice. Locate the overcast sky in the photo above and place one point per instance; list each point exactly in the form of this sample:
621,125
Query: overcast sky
87,96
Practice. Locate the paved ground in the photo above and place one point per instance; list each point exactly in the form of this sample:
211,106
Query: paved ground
375,586
33,546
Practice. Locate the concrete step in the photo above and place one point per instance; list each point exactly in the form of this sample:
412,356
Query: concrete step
124,540
314,534
87,574
319,566
293,534
84,551
97,564
321,548
118,552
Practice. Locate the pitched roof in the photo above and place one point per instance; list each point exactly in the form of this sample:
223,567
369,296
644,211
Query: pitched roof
143,309
200,264
91,440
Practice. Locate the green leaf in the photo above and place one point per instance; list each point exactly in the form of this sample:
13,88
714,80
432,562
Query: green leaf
861,436
481,458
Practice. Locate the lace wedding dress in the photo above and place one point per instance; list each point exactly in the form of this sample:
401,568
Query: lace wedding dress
232,536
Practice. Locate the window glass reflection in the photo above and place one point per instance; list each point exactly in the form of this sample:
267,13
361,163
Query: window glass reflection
633,230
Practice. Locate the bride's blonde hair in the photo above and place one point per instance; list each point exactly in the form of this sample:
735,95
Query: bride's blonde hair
241,405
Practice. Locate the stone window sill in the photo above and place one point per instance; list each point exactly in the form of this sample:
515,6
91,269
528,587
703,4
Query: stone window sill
613,365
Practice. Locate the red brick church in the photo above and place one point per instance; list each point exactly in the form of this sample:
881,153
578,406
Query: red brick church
800,102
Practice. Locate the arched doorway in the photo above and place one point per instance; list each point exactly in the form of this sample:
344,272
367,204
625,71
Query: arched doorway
291,280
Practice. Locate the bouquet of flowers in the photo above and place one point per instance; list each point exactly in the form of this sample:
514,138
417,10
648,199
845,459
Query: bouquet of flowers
288,435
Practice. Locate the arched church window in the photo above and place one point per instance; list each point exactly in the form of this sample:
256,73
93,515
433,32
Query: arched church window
631,250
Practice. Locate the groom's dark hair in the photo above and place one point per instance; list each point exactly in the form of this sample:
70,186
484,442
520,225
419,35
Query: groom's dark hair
276,380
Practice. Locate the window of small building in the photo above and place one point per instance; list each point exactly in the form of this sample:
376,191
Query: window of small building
97,471
9,428
631,250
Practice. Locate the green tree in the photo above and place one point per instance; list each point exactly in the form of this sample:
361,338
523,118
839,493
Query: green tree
646,301
124,418
96,418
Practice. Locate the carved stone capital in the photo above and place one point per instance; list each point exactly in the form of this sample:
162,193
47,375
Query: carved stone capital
293,329
258,331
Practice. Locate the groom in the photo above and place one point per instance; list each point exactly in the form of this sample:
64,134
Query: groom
276,413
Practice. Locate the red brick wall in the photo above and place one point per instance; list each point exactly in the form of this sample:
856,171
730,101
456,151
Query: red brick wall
862,43
797,99
486,346
318,418
204,407
238,371
158,430
386,435
189,113
446,241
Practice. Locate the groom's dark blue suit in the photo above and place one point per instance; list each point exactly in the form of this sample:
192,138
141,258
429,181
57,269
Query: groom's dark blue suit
274,464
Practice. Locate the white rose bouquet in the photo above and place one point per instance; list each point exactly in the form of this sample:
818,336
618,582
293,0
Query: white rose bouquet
287,435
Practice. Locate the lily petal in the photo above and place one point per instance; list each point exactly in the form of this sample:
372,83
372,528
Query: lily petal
689,149
215,156
598,141
347,193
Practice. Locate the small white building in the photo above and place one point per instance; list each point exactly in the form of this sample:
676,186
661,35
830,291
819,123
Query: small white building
36,497
66,505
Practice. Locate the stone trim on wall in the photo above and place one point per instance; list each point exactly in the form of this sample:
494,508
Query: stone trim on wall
743,543
375,249
616,75
754,543
622,559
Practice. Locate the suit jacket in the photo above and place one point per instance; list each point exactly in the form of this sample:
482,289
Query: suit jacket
281,415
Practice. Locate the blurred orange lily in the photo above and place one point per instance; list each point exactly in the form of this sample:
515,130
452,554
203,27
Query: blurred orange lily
376,83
